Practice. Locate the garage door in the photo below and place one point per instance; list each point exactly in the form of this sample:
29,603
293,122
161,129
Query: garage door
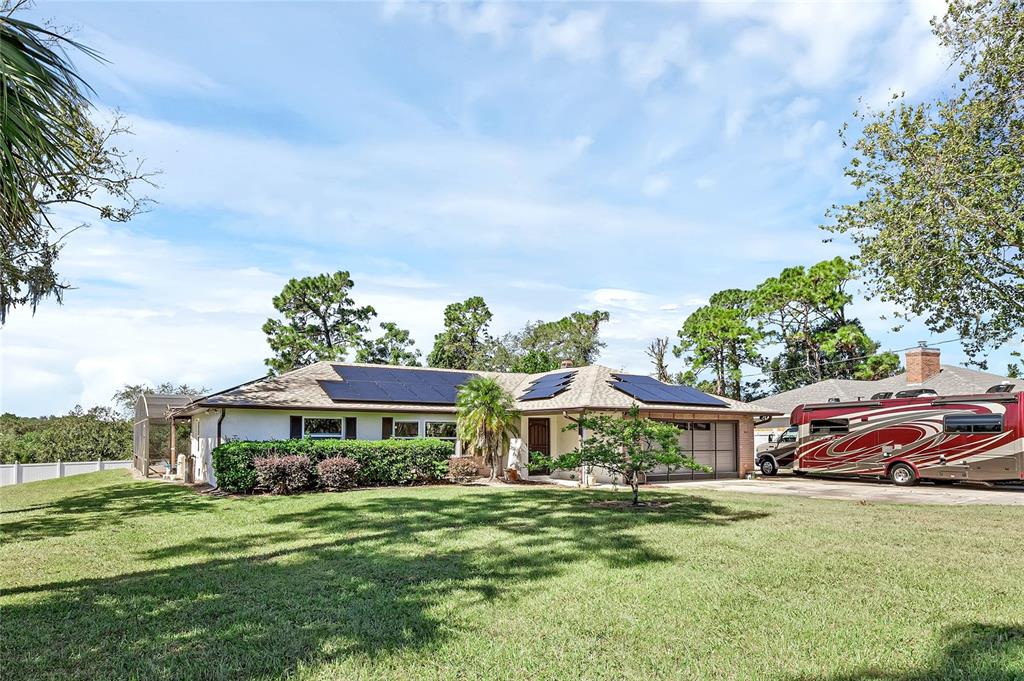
711,443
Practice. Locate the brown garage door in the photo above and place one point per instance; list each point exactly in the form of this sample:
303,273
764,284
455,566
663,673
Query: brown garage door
711,443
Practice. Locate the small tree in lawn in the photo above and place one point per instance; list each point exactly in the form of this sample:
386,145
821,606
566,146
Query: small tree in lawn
486,420
627,445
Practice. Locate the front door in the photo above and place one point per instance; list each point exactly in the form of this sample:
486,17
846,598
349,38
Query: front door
538,439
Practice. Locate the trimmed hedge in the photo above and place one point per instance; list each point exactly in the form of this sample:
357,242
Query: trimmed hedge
381,462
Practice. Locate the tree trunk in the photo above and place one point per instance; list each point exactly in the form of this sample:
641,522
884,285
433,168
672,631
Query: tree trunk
634,482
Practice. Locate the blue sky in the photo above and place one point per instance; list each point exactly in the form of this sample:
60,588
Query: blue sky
629,157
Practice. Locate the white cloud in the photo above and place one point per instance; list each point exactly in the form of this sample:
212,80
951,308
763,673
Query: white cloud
803,141
914,57
644,62
581,143
656,185
818,42
801,106
129,67
619,298
734,123
577,37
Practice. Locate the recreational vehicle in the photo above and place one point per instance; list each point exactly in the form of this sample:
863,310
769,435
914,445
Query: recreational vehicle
907,439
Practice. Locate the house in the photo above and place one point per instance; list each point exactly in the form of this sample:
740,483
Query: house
372,402
923,371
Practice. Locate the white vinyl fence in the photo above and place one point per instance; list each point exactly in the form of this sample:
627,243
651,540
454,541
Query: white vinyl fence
17,473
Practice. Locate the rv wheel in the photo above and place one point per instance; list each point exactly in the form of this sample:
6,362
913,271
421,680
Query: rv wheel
903,475
768,467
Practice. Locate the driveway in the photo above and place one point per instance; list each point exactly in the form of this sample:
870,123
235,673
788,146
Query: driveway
864,490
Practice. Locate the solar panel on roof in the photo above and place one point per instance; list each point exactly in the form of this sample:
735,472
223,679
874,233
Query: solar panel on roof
548,386
389,384
543,392
648,389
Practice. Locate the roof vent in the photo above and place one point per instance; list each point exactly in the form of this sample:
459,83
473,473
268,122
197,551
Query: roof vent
1000,388
881,396
833,399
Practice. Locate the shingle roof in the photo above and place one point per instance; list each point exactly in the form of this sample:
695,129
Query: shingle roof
951,380
589,389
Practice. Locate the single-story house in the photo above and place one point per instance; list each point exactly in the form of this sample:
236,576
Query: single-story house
923,371
371,402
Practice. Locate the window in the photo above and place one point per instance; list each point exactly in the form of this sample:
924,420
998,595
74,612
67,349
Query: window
789,435
974,423
444,430
830,426
407,429
323,428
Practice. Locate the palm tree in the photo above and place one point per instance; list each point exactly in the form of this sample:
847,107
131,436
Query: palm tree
39,88
43,135
487,420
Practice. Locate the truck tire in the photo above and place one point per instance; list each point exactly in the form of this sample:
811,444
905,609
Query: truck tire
768,466
902,475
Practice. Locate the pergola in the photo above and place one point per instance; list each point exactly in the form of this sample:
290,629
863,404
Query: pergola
156,410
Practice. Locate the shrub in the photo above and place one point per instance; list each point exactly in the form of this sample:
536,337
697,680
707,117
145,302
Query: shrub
283,474
462,468
337,473
381,462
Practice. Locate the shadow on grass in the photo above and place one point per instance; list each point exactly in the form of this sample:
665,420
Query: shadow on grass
981,652
99,508
367,575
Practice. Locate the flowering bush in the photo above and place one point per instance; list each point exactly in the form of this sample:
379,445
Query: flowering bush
283,474
338,473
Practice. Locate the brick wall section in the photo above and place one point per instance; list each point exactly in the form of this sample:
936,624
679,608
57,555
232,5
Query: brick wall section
746,462
922,364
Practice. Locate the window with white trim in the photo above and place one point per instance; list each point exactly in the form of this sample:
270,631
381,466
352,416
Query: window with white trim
443,430
405,430
323,427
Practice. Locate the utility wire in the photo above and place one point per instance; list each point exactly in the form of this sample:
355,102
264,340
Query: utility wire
768,372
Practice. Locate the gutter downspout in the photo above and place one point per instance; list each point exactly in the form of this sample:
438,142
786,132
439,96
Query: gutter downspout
220,420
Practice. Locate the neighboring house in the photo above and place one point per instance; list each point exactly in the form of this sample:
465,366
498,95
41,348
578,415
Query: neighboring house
372,402
924,370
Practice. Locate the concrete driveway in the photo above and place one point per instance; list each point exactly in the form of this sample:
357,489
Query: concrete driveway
864,490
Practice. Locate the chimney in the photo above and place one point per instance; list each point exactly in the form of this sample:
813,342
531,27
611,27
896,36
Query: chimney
566,364
922,363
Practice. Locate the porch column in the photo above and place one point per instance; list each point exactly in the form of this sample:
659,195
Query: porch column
174,448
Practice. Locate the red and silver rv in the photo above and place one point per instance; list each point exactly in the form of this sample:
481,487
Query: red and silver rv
906,439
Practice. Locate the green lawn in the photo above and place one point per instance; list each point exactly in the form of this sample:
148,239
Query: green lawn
105,577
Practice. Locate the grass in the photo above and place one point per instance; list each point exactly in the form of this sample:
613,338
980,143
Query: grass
108,578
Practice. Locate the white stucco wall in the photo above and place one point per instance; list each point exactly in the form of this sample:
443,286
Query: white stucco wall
204,439
275,424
